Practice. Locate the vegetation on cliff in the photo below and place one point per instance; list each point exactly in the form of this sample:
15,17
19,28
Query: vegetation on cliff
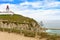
16,17
28,32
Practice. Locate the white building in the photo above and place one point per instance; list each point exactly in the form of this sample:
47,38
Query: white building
7,11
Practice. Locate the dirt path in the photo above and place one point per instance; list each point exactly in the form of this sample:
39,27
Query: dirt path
12,36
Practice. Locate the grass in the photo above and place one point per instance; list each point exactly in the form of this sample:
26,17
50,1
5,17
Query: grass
29,33
25,32
10,30
48,36
16,17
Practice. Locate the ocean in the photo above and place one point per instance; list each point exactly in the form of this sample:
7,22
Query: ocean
52,24
53,31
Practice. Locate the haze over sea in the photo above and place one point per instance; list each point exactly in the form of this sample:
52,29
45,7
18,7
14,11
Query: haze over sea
52,24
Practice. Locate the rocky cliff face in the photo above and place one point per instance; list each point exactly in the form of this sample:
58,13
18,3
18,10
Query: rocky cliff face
11,25
18,22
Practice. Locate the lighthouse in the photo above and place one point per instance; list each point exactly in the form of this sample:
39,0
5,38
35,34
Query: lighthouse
7,8
7,11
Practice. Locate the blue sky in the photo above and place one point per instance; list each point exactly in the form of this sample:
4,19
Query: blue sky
37,9
21,1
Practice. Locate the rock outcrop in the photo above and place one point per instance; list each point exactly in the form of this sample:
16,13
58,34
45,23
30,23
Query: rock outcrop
19,22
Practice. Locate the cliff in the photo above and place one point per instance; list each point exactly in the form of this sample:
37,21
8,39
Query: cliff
18,22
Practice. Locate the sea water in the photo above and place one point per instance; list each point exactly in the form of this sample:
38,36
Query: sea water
53,31
52,24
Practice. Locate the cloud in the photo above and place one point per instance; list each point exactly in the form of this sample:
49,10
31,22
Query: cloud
41,5
40,10
52,5
31,4
36,14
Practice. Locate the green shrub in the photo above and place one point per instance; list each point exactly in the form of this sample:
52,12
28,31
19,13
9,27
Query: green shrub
10,30
1,29
14,31
43,35
29,33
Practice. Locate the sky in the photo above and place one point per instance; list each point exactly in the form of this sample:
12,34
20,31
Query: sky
36,9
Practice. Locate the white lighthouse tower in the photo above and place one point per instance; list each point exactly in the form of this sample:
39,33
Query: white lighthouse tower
7,11
7,8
